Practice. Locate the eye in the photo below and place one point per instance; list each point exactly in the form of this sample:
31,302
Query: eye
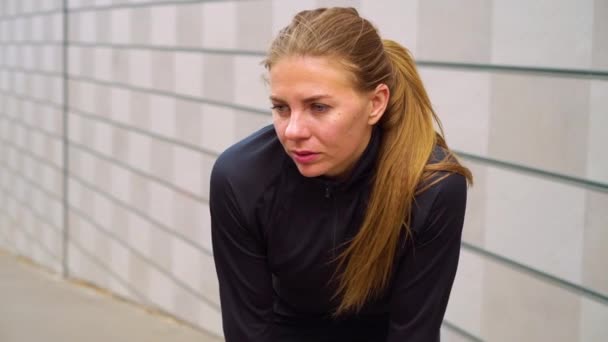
280,109
319,108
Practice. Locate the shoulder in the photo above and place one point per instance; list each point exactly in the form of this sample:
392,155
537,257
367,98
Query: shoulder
247,167
449,187
442,205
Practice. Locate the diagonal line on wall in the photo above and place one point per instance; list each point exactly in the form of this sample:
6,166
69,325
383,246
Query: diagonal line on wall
142,215
170,94
109,272
461,332
123,205
545,277
140,173
117,124
37,129
22,97
35,185
31,14
109,159
16,224
519,168
147,260
110,235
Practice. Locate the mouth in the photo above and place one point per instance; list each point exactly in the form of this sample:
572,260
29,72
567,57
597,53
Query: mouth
304,157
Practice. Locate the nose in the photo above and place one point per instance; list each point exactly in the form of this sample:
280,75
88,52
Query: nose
297,128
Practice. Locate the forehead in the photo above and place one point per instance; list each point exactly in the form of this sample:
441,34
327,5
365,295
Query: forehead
303,74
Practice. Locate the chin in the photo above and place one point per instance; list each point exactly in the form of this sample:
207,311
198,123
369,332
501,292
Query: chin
310,172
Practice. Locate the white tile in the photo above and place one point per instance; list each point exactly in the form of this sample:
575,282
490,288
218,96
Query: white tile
597,162
533,221
121,105
161,203
75,193
595,253
4,75
11,55
87,167
57,90
19,84
464,306
395,19
187,169
138,235
220,25
555,110
186,263
27,58
119,259
103,138
161,251
535,33
161,289
205,238
250,88
49,58
103,64
120,183
455,31
211,320
140,68
103,2
189,23
86,235
461,99
254,29
218,128
88,29
74,67
87,97
57,153
103,211
139,151
520,307
163,25
189,73
18,29
26,6
209,279
56,22
121,25
162,115
284,11
593,321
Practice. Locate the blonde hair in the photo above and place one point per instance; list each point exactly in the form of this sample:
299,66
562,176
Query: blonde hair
408,138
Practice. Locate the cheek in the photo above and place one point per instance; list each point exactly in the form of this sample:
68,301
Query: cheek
279,127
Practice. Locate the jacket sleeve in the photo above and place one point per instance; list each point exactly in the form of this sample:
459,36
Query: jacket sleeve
245,282
425,274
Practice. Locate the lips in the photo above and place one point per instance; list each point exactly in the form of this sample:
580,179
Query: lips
304,157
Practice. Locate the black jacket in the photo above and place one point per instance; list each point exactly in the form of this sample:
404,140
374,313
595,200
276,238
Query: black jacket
275,232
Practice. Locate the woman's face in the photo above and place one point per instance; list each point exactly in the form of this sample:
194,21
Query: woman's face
323,122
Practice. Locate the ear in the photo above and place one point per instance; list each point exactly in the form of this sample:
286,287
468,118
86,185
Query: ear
378,100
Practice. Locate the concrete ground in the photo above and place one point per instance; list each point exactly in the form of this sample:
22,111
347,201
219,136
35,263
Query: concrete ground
38,306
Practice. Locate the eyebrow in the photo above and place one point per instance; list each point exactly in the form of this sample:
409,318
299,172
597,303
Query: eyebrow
306,100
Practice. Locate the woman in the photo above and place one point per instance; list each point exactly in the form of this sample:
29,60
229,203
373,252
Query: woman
342,220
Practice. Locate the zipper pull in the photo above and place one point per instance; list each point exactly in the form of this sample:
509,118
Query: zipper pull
327,191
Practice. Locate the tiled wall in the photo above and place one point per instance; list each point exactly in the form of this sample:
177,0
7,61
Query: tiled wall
155,90
31,131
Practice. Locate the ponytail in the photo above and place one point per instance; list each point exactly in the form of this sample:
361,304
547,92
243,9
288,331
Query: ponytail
408,139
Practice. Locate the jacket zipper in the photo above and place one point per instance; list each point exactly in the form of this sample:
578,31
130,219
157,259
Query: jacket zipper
328,195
